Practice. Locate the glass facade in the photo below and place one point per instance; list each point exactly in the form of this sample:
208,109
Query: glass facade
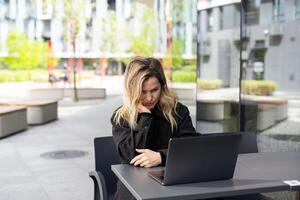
297,9
249,76
218,67
278,10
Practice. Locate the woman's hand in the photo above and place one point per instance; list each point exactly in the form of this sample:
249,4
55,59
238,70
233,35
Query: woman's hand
147,158
141,108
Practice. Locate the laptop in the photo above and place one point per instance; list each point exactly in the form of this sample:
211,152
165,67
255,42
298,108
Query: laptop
208,157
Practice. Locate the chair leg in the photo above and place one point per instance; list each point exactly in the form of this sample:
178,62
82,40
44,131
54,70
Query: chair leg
96,190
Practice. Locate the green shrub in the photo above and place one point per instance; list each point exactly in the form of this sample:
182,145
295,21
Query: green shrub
207,84
258,87
20,75
4,76
183,76
23,53
36,75
189,68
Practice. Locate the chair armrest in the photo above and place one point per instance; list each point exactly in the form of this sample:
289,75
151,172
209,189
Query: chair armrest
100,190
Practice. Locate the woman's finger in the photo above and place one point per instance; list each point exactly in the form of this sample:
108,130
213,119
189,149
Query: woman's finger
138,157
141,150
144,163
138,162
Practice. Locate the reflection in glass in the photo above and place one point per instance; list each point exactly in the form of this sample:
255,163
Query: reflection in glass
297,9
270,87
181,50
218,66
264,54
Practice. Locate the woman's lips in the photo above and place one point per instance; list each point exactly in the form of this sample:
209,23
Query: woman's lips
148,104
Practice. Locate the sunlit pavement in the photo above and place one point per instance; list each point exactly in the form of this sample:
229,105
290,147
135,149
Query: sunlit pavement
24,174
112,84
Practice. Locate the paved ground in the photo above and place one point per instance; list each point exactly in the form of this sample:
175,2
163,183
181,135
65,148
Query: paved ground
24,174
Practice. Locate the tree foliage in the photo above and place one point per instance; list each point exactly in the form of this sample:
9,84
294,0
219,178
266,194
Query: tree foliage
24,53
74,12
177,50
109,33
143,43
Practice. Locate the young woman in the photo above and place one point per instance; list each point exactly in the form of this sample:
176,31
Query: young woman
149,117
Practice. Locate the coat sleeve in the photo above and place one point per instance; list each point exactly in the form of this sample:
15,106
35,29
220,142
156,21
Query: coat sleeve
128,139
184,128
184,123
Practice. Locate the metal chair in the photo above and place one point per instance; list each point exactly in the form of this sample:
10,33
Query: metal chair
105,182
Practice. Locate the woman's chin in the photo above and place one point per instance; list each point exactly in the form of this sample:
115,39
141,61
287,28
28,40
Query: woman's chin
150,107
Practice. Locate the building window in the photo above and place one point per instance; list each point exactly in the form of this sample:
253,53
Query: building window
297,11
278,10
221,18
210,20
252,12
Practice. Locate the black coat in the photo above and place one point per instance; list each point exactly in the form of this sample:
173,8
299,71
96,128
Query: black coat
153,132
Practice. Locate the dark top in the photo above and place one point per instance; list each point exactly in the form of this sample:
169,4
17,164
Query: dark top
153,132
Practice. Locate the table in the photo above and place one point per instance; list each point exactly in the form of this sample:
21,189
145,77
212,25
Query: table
254,173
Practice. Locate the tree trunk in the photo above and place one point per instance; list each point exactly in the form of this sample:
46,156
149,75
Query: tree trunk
74,74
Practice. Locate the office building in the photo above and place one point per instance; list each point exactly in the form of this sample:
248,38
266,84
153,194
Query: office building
97,37
269,43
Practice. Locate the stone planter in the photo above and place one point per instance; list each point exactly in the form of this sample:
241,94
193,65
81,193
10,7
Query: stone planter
12,120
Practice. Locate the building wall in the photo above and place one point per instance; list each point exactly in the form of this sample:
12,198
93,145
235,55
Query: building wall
30,18
222,61
282,48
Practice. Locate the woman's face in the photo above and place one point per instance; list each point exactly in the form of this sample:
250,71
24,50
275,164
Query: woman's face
151,90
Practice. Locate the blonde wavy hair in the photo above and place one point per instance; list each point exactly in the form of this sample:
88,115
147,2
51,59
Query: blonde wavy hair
137,71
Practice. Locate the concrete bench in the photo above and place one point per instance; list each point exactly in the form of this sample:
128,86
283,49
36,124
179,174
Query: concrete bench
46,93
86,93
210,109
38,111
266,116
12,119
60,93
280,105
260,112
186,92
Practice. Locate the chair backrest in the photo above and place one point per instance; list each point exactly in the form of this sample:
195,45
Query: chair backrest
106,155
248,143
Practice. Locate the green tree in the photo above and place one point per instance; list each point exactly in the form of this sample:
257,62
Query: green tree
109,33
24,53
177,50
143,43
74,13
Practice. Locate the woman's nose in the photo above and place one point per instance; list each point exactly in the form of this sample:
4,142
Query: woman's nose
148,97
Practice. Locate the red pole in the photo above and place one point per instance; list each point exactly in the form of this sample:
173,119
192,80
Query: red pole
70,58
79,67
102,66
70,64
169,47
50,57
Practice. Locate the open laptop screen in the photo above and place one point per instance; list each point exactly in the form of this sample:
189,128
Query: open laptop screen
202,158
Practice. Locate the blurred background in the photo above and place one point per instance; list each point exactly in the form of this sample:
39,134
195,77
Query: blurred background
95,37
234,63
